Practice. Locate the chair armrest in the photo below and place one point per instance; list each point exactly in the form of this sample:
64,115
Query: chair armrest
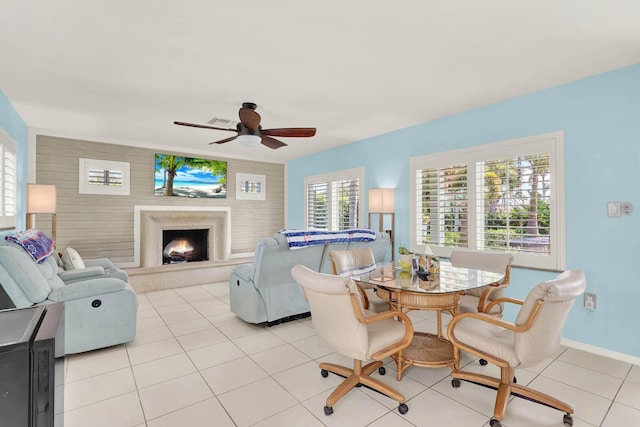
482,302
378,317
502,300
243,271
363,295
106,263
86,288
488,318
83,273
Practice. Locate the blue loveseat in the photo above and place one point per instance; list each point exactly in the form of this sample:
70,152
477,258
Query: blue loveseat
264,290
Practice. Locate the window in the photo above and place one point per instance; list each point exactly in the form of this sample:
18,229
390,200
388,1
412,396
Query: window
8,180
332,201
501,197
103,177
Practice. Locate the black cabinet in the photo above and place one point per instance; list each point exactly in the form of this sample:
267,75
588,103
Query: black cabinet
27,364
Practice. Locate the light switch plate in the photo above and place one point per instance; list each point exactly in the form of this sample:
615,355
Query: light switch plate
613,208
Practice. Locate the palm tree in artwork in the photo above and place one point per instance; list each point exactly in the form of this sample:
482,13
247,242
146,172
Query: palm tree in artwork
172,164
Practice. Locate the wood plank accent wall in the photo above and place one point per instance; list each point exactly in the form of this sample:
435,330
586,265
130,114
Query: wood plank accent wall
102,226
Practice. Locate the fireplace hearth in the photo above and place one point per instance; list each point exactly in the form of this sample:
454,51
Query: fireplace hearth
180,246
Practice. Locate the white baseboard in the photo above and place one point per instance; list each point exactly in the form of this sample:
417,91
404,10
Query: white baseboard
601,351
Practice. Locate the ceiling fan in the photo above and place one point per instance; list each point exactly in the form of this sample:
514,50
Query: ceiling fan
250,131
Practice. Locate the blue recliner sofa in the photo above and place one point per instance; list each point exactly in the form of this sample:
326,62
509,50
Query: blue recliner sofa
98,312
265,292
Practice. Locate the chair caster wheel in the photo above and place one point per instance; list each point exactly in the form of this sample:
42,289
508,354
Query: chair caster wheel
382,370
328,411
403,409
483,362
324,373
567,420
495,423
455,383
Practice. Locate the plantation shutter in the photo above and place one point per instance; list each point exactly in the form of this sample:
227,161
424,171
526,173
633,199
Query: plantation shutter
318,206
511,193
345,209
506,196
441,206
333,204
8,180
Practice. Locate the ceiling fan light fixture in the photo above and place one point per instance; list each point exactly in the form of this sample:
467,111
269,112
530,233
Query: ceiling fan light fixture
249,131
249,140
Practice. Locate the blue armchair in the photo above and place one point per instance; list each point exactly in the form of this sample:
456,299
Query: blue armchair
99,312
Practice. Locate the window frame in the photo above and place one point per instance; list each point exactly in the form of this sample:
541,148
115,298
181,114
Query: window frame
552,143
8,221
330,178
85,166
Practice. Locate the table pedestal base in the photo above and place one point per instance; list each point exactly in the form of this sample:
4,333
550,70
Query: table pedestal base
426,350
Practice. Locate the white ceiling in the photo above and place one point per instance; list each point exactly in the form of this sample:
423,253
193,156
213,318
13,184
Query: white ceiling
123,71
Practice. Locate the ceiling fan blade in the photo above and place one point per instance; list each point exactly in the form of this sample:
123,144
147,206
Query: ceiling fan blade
272,142
224,140
249,118
193,125
290,132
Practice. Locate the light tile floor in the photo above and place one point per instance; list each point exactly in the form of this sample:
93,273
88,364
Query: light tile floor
194,363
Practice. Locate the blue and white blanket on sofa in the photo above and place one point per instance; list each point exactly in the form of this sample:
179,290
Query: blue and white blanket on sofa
298,239
37,244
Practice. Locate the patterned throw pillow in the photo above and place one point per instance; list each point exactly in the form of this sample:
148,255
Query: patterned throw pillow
72,260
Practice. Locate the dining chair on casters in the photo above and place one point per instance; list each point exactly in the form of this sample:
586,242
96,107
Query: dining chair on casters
356,262
476,300
531,339
345,326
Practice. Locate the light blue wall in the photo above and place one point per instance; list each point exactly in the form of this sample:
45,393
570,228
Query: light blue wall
13,124
601,119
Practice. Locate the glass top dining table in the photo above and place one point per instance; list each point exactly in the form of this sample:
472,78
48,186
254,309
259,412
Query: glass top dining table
450,279
406,291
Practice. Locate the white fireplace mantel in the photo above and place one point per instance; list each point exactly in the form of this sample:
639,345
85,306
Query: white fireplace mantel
150,220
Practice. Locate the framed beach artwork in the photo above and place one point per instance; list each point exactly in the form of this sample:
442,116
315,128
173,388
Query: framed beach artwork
251,186
190,177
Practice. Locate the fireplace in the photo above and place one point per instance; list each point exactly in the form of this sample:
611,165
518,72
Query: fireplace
179,246
150,223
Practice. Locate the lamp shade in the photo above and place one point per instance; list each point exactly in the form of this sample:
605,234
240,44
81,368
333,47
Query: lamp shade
381,200
41,198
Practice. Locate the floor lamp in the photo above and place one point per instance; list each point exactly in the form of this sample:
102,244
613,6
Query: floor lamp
41,199
382,202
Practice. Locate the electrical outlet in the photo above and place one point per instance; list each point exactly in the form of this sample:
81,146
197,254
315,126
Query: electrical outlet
590,301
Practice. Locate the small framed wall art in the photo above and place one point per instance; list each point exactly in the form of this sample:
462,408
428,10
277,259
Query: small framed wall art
251,186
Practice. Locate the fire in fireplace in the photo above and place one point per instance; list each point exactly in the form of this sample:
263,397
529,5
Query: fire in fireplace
181,246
